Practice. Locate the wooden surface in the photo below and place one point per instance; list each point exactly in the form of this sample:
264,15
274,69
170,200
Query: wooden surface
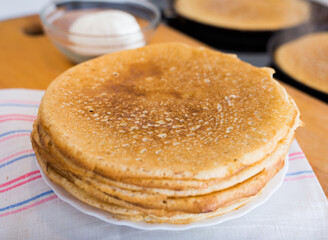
29,60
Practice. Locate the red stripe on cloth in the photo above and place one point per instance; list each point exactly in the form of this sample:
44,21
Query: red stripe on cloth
17,115
295,158
20,184
18,119
14,136
15,154
298,178
29,206
295,153
19,178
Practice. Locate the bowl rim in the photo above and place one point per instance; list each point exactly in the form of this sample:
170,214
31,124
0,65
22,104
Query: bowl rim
152,24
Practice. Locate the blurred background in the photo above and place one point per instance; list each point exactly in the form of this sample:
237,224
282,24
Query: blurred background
16,8
257,46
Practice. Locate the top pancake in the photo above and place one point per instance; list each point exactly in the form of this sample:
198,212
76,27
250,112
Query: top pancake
248,15
306,60
166,111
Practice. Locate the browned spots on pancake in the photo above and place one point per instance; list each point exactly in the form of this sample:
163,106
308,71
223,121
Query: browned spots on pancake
168,106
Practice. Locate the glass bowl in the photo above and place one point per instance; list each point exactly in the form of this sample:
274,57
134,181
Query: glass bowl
58,17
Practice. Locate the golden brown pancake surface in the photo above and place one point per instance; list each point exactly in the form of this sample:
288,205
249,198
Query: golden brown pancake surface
166,111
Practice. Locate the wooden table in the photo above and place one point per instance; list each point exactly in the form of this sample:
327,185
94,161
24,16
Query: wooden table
29,60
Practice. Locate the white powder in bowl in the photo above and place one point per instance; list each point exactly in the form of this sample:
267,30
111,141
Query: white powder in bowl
105,31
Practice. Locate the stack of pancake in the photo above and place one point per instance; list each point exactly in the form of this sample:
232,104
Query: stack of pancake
167,133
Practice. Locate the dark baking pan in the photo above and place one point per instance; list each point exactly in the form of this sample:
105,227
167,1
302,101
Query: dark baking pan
287,36
229,39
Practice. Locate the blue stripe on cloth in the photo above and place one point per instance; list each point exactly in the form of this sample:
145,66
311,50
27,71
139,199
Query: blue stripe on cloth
298,173
14,131
26,201
16,159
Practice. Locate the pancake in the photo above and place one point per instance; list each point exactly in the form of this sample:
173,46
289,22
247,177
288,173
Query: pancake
174,206
165,133
129,214
157,201
246,15
306,60
169,186
125,115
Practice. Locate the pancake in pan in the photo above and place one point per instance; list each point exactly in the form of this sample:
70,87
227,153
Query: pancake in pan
246,15
306,60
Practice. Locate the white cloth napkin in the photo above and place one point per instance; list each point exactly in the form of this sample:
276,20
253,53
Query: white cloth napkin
29,209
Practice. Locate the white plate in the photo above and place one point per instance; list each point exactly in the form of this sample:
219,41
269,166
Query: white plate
266,193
